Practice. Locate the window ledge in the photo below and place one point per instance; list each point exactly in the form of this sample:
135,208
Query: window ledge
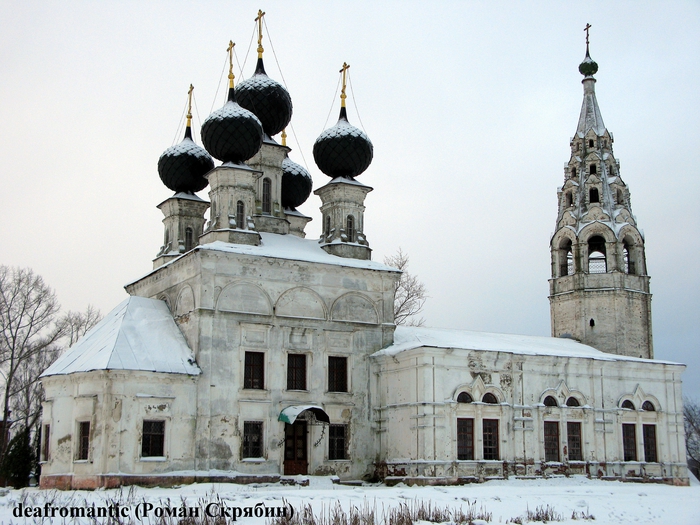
253,460
153,458
341,460
82,461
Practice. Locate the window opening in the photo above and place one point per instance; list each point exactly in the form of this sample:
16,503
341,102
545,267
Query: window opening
46,440
591,323
629,442
596,255
628,404
648,406
573,172
490,427
296,372
153,439
593,195
337,374
464,397
566,262
328,224
551,441
590,143
465,438
83,440
252,439
572,402
489,398
189,239
267,196
337,436
593,169
629,263
240,215
573,439
569,199
549,401
649,434
350,228
254,370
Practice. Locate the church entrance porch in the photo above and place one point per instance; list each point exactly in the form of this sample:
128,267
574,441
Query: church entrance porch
295,449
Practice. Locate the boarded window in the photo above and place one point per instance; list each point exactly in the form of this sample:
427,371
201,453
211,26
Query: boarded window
267,196
153,439
83,440
252,439
253,376
629,442
490,435
649,433
573,438
337,374
551,441
337,442
465,438
296,372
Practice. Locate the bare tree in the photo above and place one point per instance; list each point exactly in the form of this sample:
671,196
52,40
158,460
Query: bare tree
78,324
410,293
691,418
28,329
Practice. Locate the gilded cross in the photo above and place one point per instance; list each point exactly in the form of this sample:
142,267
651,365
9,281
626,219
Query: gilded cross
229,49
259,20
588,26
343,96
189,105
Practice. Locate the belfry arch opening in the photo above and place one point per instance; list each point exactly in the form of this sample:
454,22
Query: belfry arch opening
596,255
566,258
594,195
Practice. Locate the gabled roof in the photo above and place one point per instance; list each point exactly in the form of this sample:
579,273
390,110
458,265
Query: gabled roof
139,334
411,337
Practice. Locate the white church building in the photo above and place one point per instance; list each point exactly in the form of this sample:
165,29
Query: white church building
251,353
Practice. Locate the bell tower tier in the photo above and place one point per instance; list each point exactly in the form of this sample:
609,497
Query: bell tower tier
599,290
268,214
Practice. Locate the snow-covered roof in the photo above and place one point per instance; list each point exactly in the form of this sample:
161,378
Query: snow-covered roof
410,337
139,334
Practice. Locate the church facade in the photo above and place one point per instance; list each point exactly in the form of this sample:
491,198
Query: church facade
250,353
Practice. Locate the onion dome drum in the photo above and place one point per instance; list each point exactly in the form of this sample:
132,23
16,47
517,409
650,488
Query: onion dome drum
296,184
343,150
267,99
232,133
182,167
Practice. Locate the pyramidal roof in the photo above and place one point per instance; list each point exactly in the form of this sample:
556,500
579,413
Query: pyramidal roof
590,117
139,334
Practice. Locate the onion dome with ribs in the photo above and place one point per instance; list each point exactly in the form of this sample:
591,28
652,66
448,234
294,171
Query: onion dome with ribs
182,167
296,184
343,150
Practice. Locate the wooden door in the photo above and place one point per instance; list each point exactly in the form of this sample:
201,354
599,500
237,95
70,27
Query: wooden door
295,453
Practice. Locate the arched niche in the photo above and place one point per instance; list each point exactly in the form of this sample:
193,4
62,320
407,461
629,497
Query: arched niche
244,298
354,307
185,301
301,302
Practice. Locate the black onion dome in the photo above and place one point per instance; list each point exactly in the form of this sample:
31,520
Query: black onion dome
588,67
182,167
232,133
267,98
343,150
296,184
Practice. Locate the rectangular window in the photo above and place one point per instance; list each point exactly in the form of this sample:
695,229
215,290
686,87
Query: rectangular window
551,441
629,442
296,372
46,439
336,442
465,438
337,374
573,438
252,439
153,439
490,438
650,443
254,373
83,440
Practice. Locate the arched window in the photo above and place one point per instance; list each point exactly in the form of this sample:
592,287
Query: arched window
549,401
620,197
267,196
240,215
464,397
573,172
350,228
596,255
572,402
628,404
189,239
593,195
566,259
590,143
593,169
569,199
489,398
629,263
328,224
648,406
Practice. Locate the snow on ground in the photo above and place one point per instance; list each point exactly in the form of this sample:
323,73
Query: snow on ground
609,502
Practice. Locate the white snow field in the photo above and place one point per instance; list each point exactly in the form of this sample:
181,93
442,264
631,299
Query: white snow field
609,502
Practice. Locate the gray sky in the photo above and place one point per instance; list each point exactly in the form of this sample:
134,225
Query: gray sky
470,106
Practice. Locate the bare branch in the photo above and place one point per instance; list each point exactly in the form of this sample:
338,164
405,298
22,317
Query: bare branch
410,293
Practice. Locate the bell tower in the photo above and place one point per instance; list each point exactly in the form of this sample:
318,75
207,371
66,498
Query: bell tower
599,290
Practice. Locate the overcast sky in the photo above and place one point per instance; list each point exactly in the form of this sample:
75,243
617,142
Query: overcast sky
470,106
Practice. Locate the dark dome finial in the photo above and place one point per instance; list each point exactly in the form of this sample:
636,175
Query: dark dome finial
588,67
182,167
